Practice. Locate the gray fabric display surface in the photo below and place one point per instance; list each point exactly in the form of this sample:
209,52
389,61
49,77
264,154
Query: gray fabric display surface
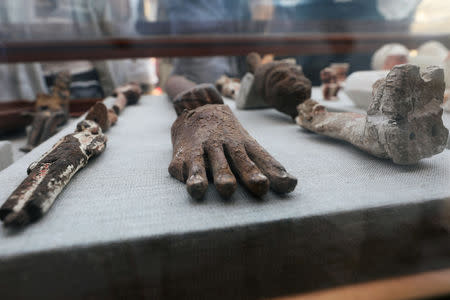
124,228
6,154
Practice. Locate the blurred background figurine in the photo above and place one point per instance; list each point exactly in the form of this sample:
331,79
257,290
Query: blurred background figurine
330,86
228,87
51,111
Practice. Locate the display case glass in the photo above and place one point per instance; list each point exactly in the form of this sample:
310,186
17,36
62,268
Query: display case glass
243,149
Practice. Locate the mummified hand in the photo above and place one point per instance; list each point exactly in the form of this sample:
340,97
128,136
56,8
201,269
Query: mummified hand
210,138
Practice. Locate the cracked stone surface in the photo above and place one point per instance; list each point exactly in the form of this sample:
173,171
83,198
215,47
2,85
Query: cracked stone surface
403,122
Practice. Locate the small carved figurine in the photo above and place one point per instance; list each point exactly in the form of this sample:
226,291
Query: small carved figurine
341,70
48,176
404,120
228,87
330,85
101,115
127,94
51,111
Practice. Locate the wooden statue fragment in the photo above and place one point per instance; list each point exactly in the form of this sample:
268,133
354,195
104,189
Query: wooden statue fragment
48,176
127,94
51,111
404,120
103,116
208,139
330,86
281,84
44,125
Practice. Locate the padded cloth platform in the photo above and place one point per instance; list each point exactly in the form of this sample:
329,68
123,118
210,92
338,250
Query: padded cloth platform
124,228
6,154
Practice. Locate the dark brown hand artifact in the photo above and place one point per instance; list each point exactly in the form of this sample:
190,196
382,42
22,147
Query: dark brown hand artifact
281,84
51,111
186,94
196,96
48,176
404,120
209,139
177,84
330,85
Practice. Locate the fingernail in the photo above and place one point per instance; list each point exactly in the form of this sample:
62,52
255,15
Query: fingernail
196,186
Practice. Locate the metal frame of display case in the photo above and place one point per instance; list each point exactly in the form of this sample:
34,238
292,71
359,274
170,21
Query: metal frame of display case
206,45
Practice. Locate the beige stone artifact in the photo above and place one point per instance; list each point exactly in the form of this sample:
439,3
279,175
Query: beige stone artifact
228,87
403,122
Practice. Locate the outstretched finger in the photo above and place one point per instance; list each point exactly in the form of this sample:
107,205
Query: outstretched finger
224,179
248,172
196,182
280,180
